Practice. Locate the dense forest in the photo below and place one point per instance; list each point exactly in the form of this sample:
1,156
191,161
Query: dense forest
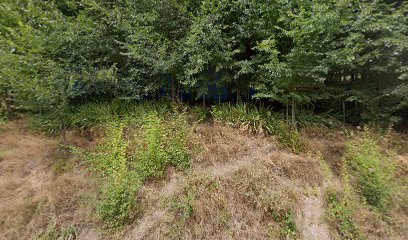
348,57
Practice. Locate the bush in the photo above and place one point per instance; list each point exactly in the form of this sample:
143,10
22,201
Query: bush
309,119
91,114
47,122
118,198
372,170
2,114
151,156
199,113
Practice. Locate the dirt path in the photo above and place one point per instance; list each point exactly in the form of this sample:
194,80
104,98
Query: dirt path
153,217
311,217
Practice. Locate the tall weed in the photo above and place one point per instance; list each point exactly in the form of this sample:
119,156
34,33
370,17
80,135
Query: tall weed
121,184
340,207
90,114
159,142
164,142
372,170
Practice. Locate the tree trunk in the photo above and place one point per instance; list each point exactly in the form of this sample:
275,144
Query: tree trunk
343,105
293,113
203,100
238,96
7,103
173,88
63,133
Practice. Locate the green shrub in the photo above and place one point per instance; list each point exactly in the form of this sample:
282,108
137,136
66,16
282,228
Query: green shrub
372,170
159,143
47,122
287,224
2,114
151,155
118,198
91,114
310,119
177,141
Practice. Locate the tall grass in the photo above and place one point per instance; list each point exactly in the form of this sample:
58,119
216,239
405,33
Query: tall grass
256,121
310,119
91,114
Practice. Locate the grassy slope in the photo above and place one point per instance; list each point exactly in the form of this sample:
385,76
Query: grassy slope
238,186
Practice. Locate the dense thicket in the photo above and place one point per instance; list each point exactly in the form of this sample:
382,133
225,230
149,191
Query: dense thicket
347,56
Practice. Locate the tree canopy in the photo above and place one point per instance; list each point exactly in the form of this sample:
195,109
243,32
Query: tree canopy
349,53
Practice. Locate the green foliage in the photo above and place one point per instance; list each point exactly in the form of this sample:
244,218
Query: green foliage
120,186
340,213
372,169
256,121
53,233
91,114
309,119
199,113
158,142
55,54
46,122
164,142
152,158
287,224
3,115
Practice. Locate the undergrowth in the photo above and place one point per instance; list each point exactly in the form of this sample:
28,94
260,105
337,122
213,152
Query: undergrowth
373,171
130,154
97,113
257,121
2,115
306,119
340,214
340,210
165,141
54,233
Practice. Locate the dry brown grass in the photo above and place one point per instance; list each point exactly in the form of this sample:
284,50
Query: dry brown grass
239,186
32,195
240,205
